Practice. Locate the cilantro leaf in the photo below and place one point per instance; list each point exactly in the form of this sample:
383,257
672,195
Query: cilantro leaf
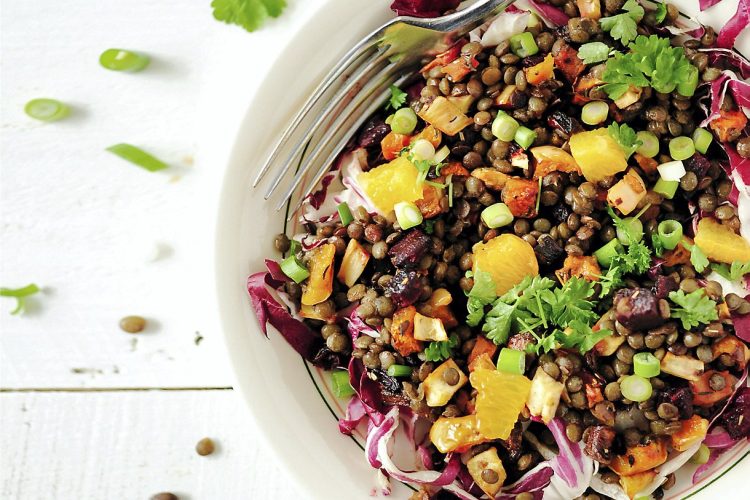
544,343
481,294
397,99
498,322
593,52
734,273
580,336
634,10
572,303
249,14
697,258
438,351
694,308
625,137
661,12
521,306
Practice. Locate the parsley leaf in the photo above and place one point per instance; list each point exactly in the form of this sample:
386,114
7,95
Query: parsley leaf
572,303
481,294
438,351
697,258
625,137
661,12
620,27
611,281
638,258
593,52
249,14
20,295
580,336
694,308
397,99
733,273
545,343
519,307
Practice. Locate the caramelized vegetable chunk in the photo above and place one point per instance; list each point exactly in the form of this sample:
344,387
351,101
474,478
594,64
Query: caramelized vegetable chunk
520,196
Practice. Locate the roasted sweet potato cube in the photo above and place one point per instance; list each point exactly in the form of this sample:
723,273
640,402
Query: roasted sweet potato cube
493,179
704,395
580,267
429,204
729,125
637,482
640,458
567,61
482,346
520,196
693,430
402,331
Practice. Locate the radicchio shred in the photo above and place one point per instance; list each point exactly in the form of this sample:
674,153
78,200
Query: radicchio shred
423,8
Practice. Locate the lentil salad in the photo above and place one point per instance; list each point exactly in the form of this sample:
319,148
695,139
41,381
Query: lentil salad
536,261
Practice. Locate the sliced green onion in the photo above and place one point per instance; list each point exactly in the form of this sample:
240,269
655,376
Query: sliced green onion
294,269
690,83
666,188
670,232
422,149
681,148
671,170
644,497
345,214
399,371
340,384
20,295
649,144
701,456
441,154
138,157
702,139
449,182
606,253
523,44
46,110
497,215
504,127
646,365
511,361
407,214
123,60
635,227
524,137
534,21
594,112
404,121
636,388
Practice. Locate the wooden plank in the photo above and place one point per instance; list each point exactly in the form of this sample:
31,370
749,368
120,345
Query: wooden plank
132,445
79,221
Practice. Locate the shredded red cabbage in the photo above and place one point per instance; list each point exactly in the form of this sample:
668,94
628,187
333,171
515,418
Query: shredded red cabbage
268,310
367,391
277,277
551,13
705,4
355,325
423,8
533,482
730,58
735,26
355,413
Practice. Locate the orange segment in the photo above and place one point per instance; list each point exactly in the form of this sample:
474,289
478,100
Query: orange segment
391,183
720,243
501,397
508,258
598,154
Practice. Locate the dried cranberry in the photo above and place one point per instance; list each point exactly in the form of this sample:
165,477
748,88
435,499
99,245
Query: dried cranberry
736,418
599,443
410,249
561,212
404,288
373,132
697,164
564,123
637,309
548,250
328,360
681,397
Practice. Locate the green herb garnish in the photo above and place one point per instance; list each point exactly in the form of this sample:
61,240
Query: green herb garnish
661,12
580,336
625,137
734,272
249,14
694,308
697,258
20,294
397,99
624,27
438,351
593,52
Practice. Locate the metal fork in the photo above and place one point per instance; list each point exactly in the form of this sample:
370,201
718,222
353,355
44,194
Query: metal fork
356,87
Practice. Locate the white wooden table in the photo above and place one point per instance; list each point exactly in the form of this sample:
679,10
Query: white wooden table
86,410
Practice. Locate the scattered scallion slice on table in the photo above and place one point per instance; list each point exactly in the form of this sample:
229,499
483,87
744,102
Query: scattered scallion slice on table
46,110
646,365
340,384
20,295
123,60
137,156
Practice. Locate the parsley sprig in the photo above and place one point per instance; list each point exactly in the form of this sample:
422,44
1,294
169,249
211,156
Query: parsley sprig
249,14
734,272
438,351
593,52
636,260
624,27
693,309
397,99
697,258
625,136
652,61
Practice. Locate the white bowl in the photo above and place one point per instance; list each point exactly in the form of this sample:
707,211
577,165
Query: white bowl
290,401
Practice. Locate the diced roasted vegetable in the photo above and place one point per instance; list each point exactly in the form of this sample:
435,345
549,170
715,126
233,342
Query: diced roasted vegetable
353,264
551,159
628,191
640,458
319,285
462,102
704,394
393,143
544,396
426,328
430,134
511,98
729,125
583,86
567,61
608,345
410,249
438,306
457,69
590,9
548,250
482,346
487,466
445,116
580,267
430,205
493,179
456,433
685,367
692,430
454,168
599,441
444,57
732,346
638,309
482,362
637,482
402,332
520,196
648,165
438,389
541,72
632,96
